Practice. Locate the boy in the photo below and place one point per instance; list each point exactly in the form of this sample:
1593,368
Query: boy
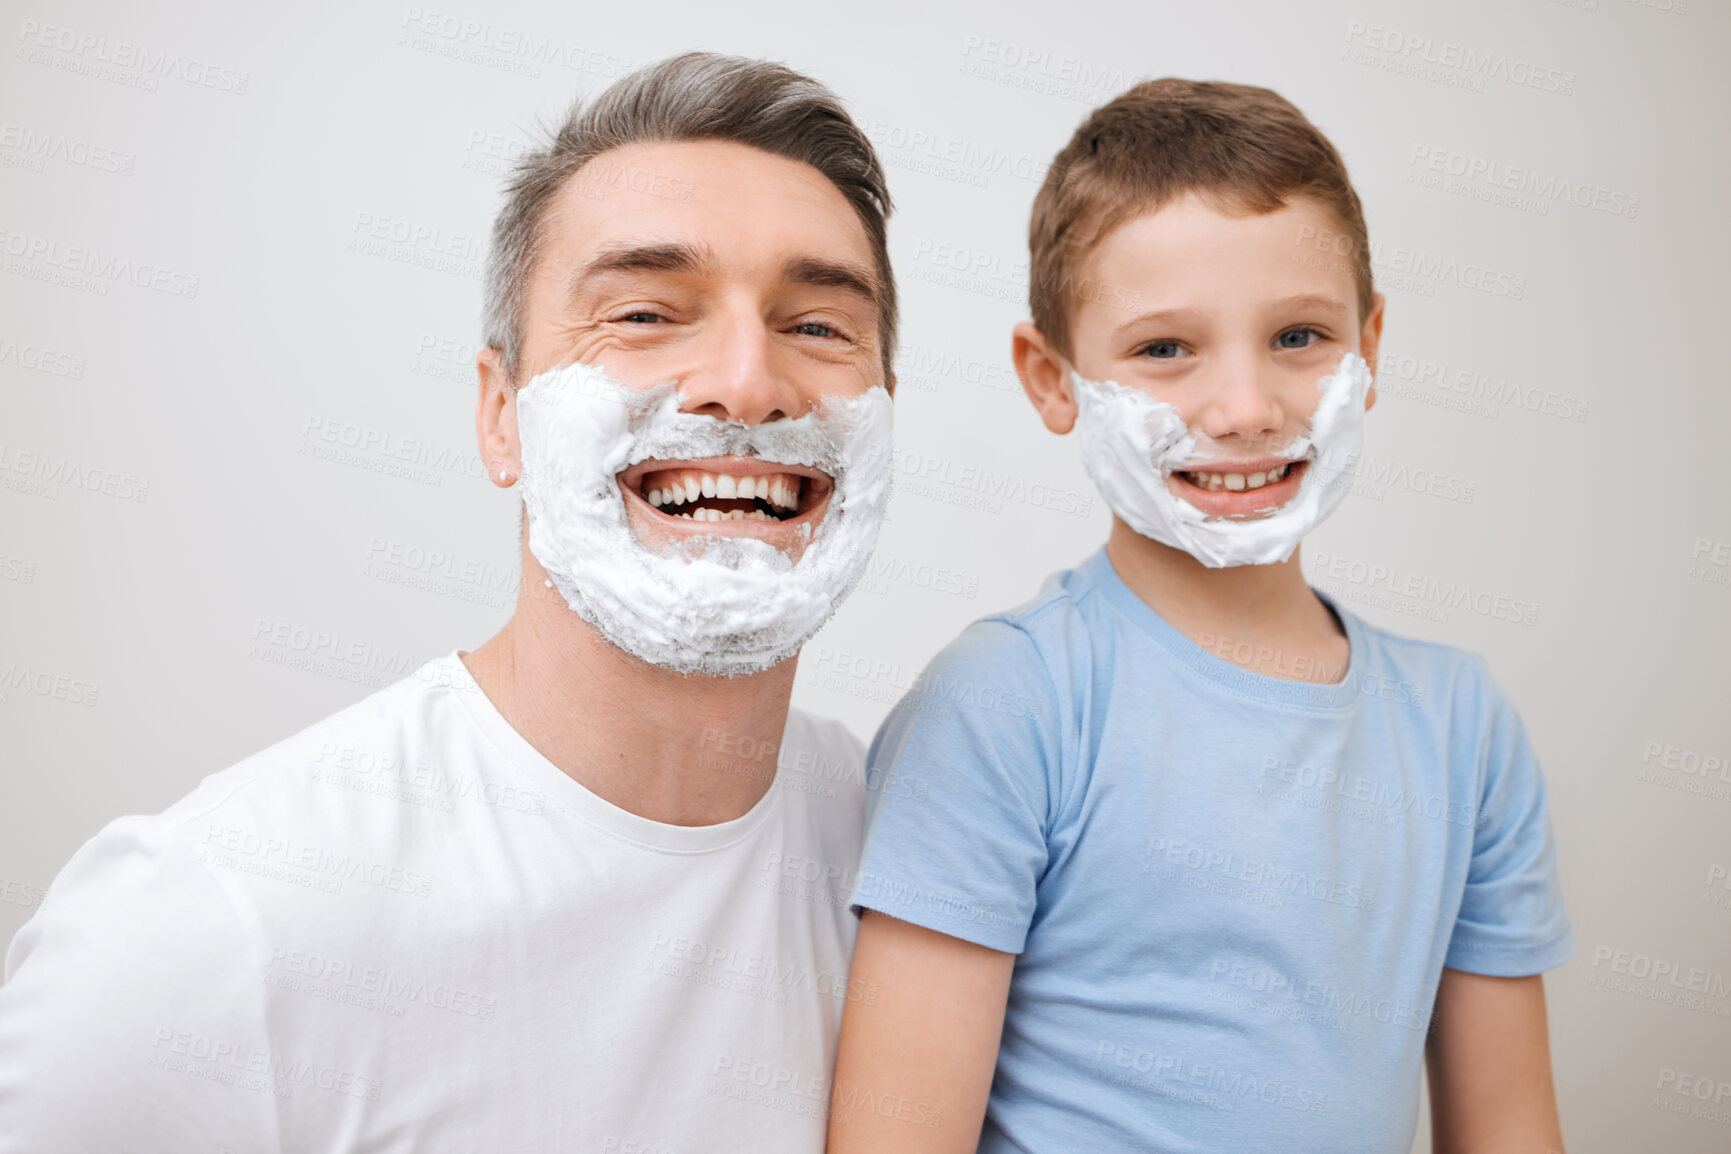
1183,856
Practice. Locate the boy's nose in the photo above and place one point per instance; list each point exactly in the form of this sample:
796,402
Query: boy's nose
1240,400
739,374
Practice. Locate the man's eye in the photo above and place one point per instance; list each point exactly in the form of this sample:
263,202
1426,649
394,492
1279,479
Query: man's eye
1289,338
641,318
1162,350
815,329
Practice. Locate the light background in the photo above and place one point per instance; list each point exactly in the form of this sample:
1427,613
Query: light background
163,512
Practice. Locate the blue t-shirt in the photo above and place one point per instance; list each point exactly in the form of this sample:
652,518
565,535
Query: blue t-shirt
1232,894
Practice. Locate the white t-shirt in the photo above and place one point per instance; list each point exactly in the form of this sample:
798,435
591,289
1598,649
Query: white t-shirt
405,929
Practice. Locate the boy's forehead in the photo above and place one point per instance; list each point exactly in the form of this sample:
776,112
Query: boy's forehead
1193,223
1191,246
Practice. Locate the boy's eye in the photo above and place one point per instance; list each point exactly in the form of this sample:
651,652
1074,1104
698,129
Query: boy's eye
1161,350
1293,338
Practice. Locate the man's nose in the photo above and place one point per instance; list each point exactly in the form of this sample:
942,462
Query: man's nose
740,374
1240,398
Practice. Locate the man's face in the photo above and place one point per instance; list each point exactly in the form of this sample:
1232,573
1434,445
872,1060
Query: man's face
746,277
1235,323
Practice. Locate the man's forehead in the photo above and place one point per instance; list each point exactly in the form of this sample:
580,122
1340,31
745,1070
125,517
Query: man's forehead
718,188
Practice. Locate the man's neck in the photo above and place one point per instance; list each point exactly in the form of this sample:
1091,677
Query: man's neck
671,748
1261,617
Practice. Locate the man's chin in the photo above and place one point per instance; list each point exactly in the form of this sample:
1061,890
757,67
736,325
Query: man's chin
659,537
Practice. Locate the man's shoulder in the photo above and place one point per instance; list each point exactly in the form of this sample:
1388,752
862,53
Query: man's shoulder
823,768
380,737
825,735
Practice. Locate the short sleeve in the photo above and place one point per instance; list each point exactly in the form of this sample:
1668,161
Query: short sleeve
132,1013
1511,921
962,773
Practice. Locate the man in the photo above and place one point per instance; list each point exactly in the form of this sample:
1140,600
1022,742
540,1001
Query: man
581,888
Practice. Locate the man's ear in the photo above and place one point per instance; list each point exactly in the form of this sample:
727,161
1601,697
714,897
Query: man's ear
496,420
1370,340
1045,375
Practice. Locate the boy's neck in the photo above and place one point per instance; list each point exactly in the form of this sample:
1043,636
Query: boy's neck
1263,618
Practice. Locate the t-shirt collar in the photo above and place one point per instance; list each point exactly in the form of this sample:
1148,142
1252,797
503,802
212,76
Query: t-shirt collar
1098,570
573,797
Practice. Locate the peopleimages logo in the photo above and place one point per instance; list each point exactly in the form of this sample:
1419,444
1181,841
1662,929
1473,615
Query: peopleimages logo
91,54
1544,187
1469,63
89,269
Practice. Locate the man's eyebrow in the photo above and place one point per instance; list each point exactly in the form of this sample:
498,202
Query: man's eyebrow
673,256
845,275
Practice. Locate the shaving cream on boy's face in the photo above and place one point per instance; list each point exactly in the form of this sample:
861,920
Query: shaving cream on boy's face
1132,444
720,601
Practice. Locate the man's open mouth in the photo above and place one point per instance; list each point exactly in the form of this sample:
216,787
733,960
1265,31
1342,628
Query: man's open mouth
705,495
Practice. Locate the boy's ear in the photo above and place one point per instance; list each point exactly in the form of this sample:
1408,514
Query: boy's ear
1370,340
1045,377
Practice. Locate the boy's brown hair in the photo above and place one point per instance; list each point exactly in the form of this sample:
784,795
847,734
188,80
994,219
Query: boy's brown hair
1246,149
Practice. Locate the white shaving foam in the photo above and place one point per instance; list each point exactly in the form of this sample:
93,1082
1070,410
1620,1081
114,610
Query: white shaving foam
718,605
1131,444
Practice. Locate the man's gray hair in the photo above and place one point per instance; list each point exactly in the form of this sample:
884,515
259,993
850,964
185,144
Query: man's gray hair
694,96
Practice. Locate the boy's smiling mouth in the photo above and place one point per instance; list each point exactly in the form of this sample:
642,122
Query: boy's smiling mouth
1240,489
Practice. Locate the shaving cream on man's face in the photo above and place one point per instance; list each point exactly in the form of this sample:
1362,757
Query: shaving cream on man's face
1132,444
708,604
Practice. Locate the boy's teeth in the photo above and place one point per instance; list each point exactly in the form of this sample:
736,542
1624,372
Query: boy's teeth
1237,482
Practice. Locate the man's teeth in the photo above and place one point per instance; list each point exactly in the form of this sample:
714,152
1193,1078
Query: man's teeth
675,487
1235,482
706,514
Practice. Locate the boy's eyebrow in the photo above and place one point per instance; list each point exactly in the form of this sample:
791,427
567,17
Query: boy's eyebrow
1302,300
1163,315
1313,301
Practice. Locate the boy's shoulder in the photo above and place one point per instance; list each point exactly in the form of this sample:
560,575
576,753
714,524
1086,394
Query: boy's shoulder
1436,664
1028,662
1039,633
1046,646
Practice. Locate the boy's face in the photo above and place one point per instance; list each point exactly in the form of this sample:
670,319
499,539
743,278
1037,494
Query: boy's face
1233,326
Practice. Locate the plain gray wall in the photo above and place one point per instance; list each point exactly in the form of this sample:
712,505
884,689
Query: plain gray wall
197,291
